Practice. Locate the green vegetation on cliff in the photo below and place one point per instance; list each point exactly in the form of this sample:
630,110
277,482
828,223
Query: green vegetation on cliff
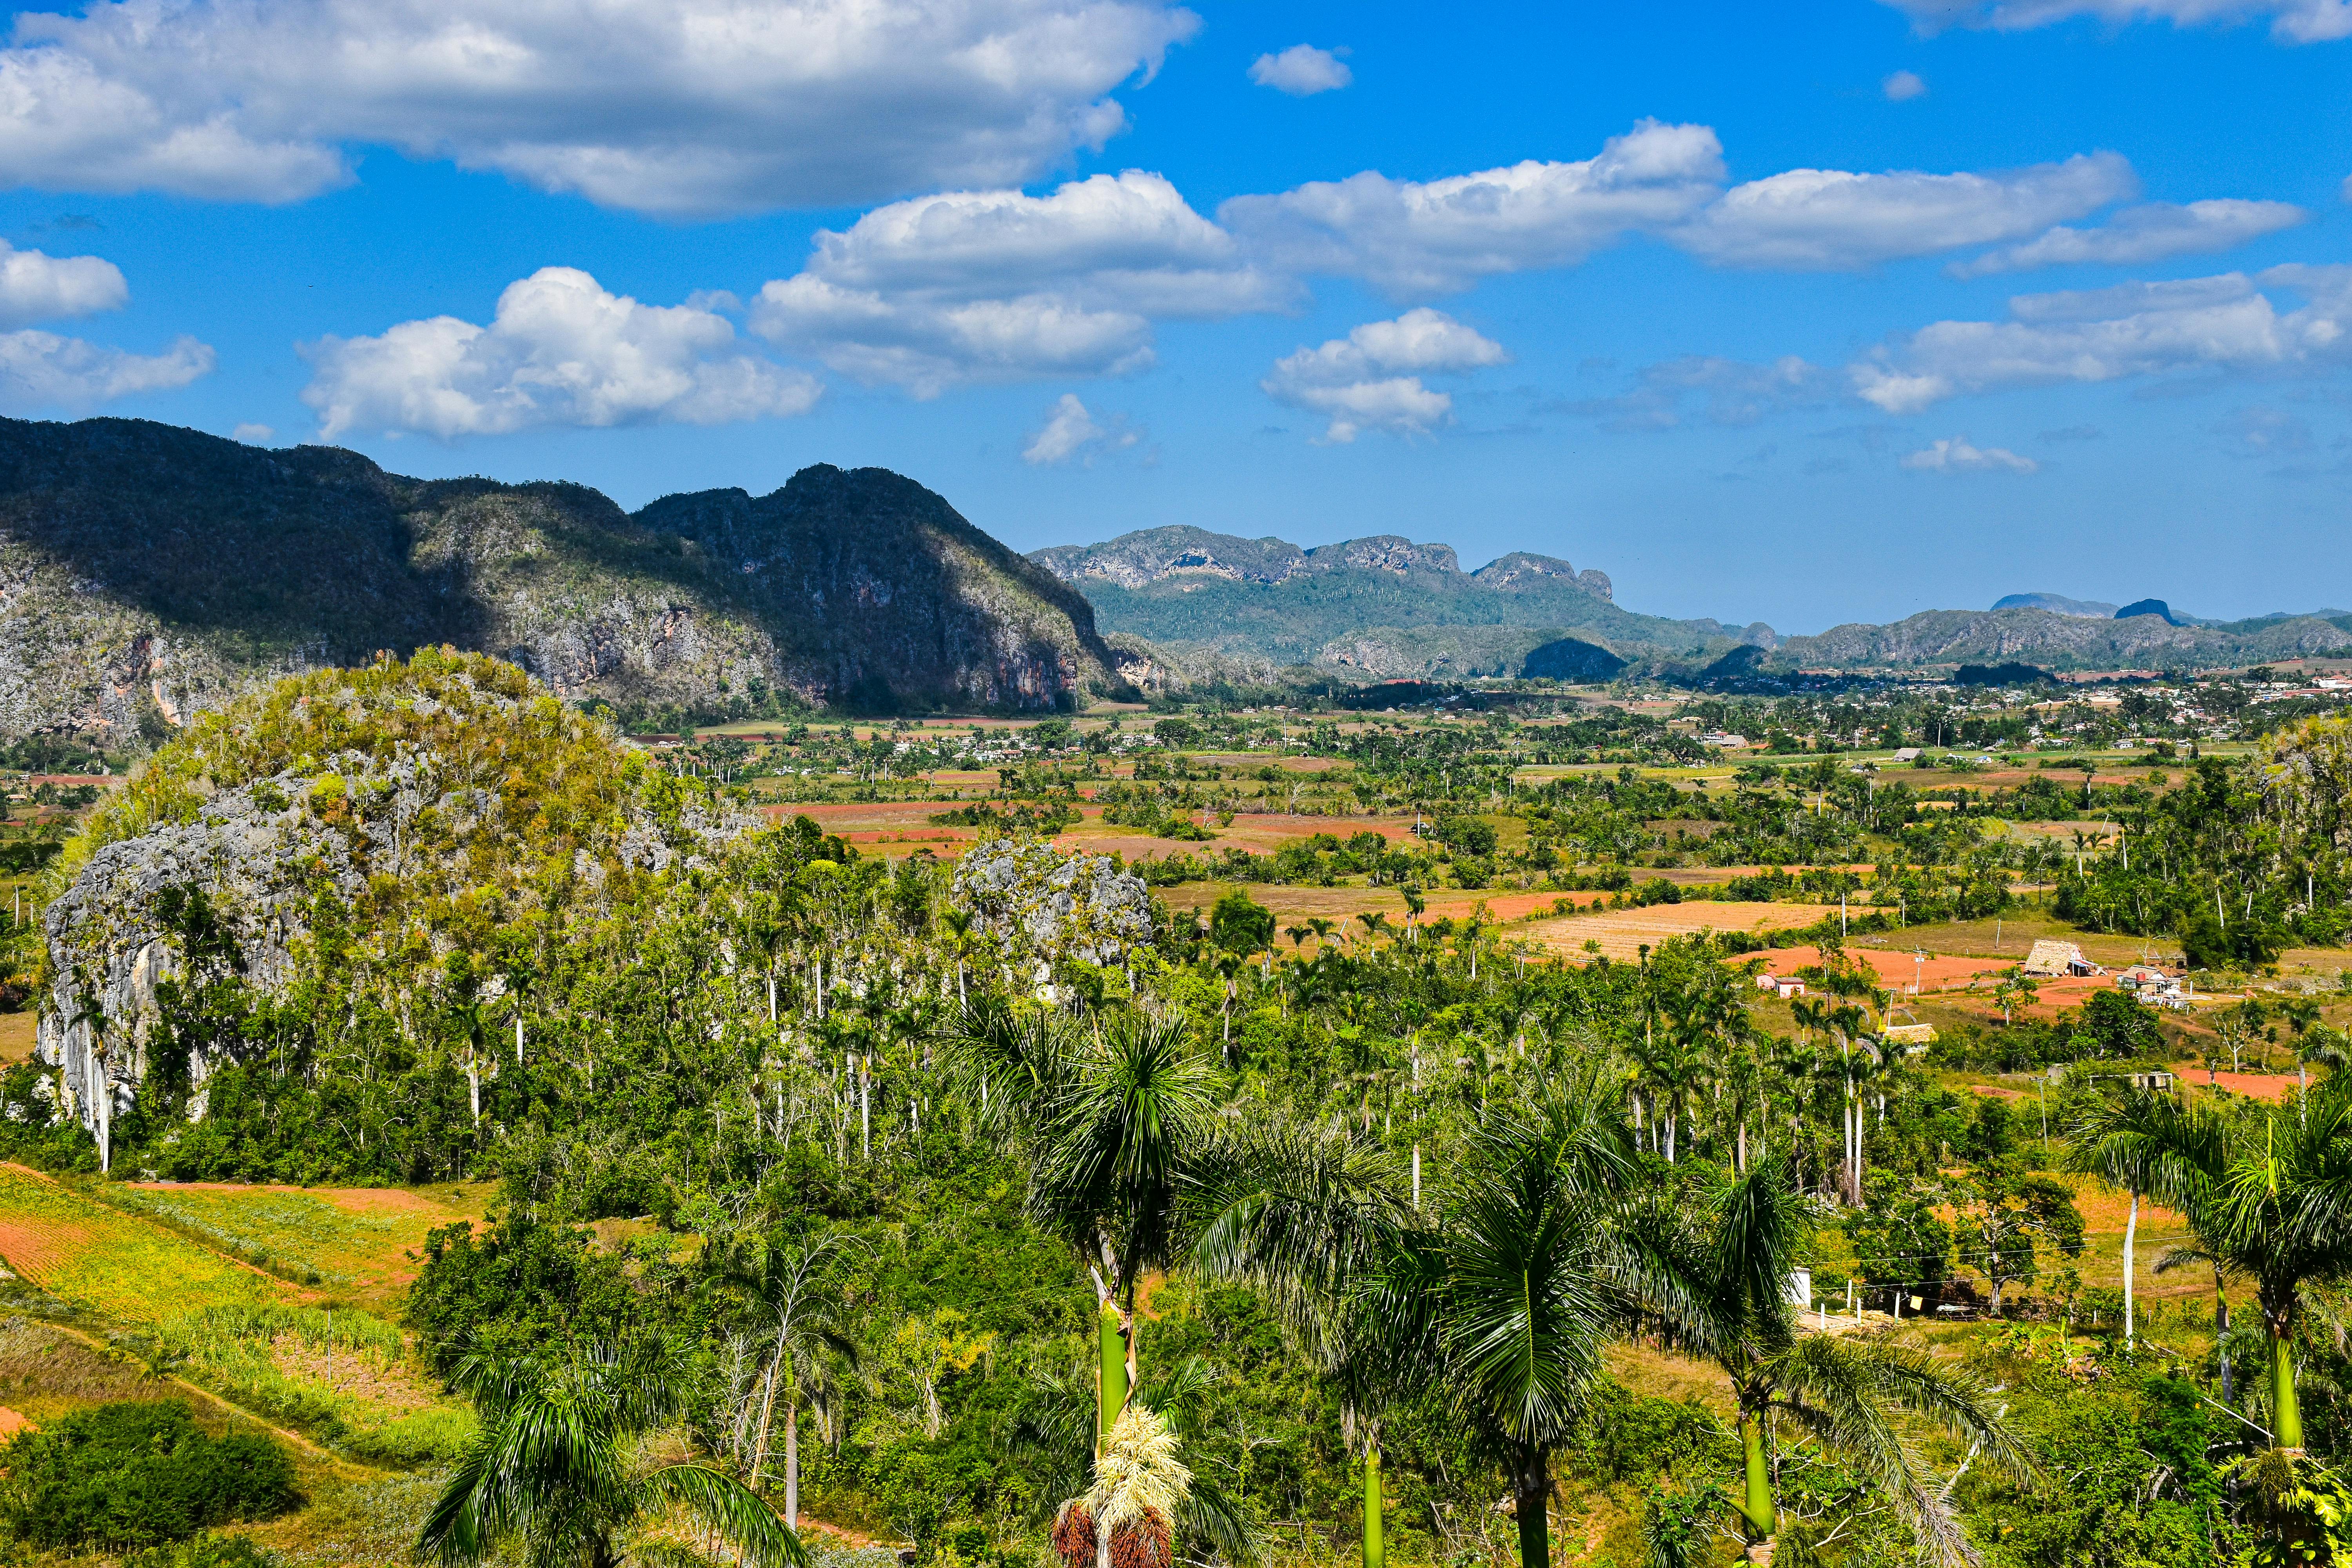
152,572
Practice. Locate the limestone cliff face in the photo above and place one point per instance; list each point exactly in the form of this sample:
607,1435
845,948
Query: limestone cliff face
863,578
386,800
147,573
1381,605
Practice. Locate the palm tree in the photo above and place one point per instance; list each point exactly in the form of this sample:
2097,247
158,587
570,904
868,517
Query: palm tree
808,1339
1298,935
1306,1216
2156,1146
2278,1214
1110,1117
556,1467
1847,1395
1507,1297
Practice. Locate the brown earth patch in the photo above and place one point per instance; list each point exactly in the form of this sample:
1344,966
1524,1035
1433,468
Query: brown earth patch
36,1247
350,1372
1622,932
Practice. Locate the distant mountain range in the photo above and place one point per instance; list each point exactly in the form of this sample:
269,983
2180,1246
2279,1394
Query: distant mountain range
1381,606
2057,605
1389,607
146,572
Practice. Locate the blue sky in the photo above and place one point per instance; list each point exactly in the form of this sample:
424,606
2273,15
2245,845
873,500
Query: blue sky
1803,314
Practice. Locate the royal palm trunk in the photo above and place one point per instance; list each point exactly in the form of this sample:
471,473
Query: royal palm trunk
1755,1502
2286,1415
1532,1499
1113,1396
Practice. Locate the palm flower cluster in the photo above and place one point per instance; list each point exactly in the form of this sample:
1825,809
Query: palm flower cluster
1125,1518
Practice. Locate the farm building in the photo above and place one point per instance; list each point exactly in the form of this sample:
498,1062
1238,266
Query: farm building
2050,957
1913,1037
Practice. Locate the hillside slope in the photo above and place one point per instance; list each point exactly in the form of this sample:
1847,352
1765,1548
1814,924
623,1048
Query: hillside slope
147,572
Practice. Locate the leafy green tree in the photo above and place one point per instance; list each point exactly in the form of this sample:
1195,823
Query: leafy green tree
1901,1243
557,1469
1239,924
1467,835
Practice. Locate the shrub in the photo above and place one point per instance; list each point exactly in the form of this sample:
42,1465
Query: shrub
205,1550
134,1475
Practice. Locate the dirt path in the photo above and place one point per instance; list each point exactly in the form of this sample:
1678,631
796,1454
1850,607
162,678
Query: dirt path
295,1438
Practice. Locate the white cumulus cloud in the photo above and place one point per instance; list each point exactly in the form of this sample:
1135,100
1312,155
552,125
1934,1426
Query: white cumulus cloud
1956,456
2292,21
1409,237
997,285
1832,219
2141,234
676,106
1072,432
253,435
560,350
39,368
2222,324
1301,70
1901,87
1361,381
37,287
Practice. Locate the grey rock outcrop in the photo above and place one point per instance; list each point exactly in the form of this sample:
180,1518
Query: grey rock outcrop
429,805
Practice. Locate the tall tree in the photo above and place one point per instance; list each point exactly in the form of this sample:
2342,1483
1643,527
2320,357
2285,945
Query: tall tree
1306,1216
1507,1297
1110,1115
2156,1146
2279,1215
808,1342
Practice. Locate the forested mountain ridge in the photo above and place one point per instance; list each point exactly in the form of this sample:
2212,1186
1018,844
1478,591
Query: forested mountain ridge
1369,603
2059,641
148,571
1387,606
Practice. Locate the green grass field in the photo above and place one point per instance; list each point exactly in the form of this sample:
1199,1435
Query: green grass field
352,1245
113,1265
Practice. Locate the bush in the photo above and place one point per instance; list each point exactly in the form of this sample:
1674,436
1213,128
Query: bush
131,1475
515,1287
203,1551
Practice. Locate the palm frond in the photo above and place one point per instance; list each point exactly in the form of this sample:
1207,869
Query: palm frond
1216,1520
732,1510
1301,1214
1844,1393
